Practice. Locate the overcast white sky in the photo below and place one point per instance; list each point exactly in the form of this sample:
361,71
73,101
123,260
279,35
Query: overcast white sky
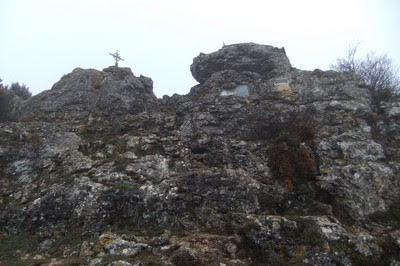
41,40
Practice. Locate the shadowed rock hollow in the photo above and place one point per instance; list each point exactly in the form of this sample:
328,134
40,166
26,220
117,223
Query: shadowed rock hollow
259,163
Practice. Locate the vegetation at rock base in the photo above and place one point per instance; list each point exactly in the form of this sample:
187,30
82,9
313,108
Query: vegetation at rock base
183,259
390,217
143,259
391,250
247,245
12,246
243,229
295,242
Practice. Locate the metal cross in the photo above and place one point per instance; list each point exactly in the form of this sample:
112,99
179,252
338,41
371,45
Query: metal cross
116,58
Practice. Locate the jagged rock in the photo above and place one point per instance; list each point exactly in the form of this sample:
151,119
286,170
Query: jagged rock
56,262
38,257
123,263
87,92
265,60
96,262
301,166
87,249
116,246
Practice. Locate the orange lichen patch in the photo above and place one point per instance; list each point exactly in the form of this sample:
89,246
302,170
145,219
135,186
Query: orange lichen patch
284,89
208,247
289,184
300,254
327,247
105,239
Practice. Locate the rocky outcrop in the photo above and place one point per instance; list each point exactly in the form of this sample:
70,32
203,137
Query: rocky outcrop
259,163
86,93
267,61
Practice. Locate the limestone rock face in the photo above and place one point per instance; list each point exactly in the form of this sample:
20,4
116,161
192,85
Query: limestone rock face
85,92
259,163
264,60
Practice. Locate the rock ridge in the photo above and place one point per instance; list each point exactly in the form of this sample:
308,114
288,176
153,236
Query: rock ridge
85,92
260,163
264,60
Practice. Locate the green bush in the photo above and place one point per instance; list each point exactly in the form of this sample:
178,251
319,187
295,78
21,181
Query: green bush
10,244
390,217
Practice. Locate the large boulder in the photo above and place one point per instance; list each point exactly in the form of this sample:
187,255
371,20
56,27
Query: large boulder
265,60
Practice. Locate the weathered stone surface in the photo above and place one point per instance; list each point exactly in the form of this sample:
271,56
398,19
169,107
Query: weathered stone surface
304,169
116,246
87,92
265,60
122,263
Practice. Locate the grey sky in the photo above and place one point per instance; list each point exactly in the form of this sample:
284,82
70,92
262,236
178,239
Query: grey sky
41,40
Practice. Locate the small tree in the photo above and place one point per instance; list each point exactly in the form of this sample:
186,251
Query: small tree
378,72
20,90
8,98
349,63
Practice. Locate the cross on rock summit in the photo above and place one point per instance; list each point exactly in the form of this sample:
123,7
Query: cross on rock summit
117,57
